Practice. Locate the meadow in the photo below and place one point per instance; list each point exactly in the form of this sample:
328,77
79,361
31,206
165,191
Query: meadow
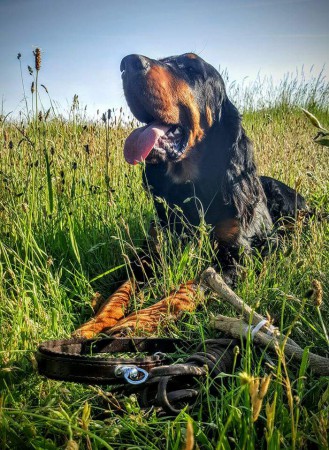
72,213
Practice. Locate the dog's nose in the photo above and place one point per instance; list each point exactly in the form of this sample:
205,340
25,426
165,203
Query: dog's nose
134,63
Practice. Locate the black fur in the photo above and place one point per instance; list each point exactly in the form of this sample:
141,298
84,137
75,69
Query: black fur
221,163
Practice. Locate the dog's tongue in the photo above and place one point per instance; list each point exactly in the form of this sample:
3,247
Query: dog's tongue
141,141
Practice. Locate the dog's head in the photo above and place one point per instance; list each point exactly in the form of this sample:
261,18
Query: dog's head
179,98
191,126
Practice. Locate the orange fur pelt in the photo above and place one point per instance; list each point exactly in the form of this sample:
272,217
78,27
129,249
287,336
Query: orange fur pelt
168,309
110,318
110,313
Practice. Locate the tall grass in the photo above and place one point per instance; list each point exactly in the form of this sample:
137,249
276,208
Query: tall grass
303,89
72,211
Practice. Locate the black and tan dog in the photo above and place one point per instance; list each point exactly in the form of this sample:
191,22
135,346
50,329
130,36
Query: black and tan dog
193,145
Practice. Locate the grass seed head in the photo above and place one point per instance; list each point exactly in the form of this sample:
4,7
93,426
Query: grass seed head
189,440
37,56
25,207
265,382
317,294
257,390
72,445
245,378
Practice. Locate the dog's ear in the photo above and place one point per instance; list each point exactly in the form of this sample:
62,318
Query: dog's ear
241,186
214,93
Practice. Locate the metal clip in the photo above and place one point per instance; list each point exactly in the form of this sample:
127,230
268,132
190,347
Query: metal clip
161,355
131,374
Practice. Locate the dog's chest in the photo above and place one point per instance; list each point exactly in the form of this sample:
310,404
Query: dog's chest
193,199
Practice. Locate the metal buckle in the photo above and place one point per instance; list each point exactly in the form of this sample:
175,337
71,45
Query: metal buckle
131,374
160,354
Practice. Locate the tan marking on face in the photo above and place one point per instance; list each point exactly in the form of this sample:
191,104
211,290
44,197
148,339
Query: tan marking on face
163,101
209,117
191,55
172,101
227,231
192,112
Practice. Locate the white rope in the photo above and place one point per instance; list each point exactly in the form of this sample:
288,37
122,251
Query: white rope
258,327
254,329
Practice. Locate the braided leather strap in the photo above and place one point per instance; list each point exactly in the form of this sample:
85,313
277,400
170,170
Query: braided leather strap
96,361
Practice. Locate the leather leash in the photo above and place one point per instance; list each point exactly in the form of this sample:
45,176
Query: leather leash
85,361
157,383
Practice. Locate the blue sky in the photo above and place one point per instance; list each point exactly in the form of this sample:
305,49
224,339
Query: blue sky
83,41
